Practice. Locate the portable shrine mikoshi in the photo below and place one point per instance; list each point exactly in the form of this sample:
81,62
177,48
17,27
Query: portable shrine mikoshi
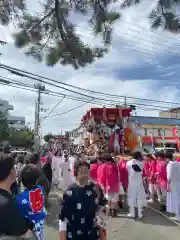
109,129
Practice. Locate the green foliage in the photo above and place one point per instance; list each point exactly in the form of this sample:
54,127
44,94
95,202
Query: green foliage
21,138
51,36
4,128
47,137
162,14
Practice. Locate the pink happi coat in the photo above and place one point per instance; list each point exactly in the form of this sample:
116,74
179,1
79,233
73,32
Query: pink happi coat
112,178
178,159
94,171
43,159
145,175
145,172
101,175
123,173
161,174
152,172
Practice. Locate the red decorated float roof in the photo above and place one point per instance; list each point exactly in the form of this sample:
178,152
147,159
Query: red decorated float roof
99,113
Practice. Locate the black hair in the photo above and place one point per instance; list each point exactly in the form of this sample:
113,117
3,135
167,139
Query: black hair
6,165
13,155
66,158
34,158
137,155
78,165
108,158
27,162
29,176
160,154
20,159
169,155
149,156
58,153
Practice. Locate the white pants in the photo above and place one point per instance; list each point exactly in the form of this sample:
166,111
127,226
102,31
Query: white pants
132,211
117,148
154,189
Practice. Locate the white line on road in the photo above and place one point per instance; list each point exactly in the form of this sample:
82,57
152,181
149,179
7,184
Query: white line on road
163,215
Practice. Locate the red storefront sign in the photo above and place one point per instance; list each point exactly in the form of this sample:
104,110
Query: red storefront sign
61,139
175,134
148,139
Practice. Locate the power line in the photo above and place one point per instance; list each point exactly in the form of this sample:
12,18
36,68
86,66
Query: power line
54,107
112,103
150,41
70,110
148,108
55,94
37,78
156,33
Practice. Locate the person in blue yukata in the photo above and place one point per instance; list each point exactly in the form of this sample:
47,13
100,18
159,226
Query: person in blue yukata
31,202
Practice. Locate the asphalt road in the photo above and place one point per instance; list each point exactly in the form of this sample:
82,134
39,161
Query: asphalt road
152,227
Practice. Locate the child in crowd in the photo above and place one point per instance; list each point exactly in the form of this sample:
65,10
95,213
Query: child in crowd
31,202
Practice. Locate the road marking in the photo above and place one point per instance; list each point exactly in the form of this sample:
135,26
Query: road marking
163,215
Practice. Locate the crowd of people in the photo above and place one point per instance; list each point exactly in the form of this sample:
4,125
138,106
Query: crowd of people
103,183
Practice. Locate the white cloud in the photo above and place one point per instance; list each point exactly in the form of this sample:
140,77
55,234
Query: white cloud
104,76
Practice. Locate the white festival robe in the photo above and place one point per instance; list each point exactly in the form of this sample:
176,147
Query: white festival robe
173,195
136,192
66,175
56,160
72,160
116,144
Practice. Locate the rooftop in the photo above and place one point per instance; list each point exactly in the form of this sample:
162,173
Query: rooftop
156,120
16,118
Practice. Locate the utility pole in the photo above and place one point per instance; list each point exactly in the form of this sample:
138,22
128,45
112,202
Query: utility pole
40,89
35,117
38,109
125,101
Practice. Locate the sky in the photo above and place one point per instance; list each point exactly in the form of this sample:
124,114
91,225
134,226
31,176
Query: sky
141,62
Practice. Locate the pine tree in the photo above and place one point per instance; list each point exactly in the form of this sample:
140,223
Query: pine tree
162,15
51,36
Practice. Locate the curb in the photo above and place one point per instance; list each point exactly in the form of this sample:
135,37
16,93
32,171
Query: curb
164,215
60,195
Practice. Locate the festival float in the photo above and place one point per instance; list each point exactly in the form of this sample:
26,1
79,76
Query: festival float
110,129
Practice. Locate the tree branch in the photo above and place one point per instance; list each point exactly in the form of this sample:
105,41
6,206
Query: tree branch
59,19
61,30
41,20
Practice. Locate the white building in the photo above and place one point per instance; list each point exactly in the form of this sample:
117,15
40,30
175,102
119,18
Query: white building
77,135
13,121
